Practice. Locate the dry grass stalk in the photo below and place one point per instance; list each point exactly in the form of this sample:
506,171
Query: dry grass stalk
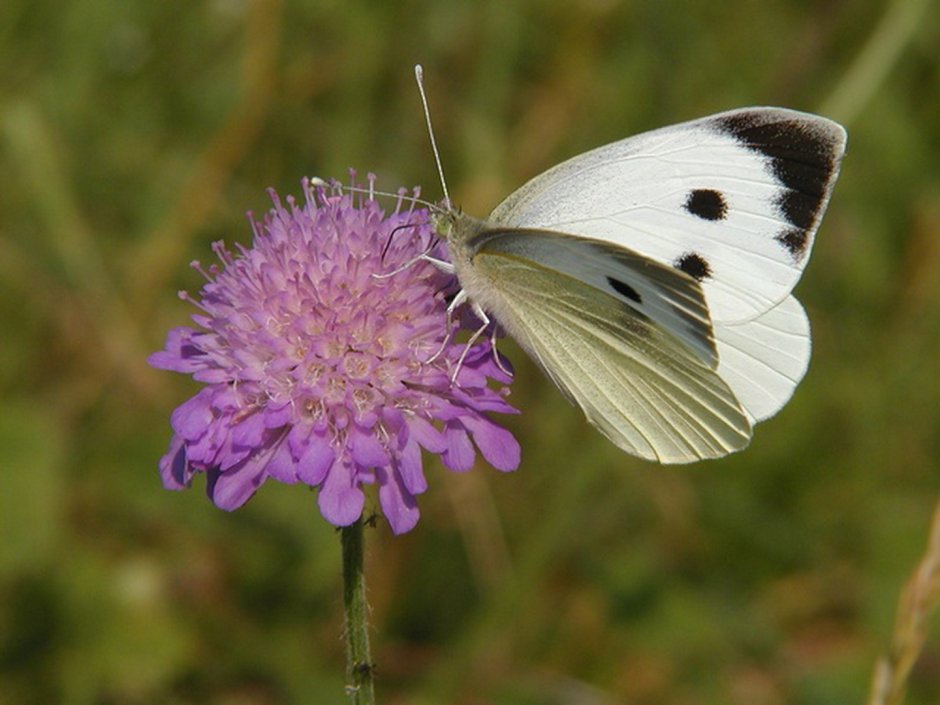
920,597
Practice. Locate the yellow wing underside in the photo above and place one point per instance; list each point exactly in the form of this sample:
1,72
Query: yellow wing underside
635,382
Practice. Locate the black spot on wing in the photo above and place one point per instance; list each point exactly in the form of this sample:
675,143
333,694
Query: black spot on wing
798,208
803,154
625,290
795,241
706,204
694,265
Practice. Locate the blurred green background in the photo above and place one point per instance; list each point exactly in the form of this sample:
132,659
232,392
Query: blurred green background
134,133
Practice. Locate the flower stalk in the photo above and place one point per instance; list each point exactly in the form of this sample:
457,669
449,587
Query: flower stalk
359,666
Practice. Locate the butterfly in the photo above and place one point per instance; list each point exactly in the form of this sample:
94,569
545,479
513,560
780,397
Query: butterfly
651,278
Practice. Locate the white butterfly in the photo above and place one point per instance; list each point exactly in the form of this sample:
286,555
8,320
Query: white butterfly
650,278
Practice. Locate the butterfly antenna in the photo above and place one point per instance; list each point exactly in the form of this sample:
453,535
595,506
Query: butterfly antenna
388,240
419,77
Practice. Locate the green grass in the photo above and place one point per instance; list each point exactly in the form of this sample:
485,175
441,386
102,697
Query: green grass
133,134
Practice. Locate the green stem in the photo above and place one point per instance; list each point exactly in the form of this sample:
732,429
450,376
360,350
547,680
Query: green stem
359,666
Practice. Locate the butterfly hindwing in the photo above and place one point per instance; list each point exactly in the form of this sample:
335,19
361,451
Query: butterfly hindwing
763,359
733,200
646,390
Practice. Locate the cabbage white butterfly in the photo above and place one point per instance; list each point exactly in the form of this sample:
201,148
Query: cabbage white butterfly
650,278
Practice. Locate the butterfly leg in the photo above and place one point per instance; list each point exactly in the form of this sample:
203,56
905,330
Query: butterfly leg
410,263
496,355
481,314
459,299
447,336
442,265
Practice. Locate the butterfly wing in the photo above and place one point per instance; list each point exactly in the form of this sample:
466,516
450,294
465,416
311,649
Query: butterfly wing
763,359
733,200
654,292
636,379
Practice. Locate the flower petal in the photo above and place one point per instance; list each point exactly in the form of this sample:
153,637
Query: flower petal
459,455
398,505
278,416
297,438
174,469
230,490
340,499
282,465
248,433
191,418
179,354
410,468
316,460
428,436
366,449
498,446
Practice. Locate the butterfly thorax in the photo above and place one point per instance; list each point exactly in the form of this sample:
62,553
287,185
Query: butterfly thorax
465,236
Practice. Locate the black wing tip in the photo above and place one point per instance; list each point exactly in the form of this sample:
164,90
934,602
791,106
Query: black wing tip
784,124
803,152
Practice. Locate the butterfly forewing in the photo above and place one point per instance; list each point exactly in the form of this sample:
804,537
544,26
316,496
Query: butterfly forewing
733,200
647,391
654,292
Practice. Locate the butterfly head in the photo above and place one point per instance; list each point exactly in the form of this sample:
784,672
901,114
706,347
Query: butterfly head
444,220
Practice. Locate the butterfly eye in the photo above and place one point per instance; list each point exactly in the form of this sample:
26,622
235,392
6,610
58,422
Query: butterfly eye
442,223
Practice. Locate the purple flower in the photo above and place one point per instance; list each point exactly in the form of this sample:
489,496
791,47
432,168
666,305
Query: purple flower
317,371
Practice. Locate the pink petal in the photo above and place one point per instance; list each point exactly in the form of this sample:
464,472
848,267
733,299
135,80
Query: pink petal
174,469
230,490
410,468
498,446
340,500
459,455
398,505
316,460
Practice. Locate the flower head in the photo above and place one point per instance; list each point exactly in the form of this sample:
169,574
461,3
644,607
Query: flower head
326,361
